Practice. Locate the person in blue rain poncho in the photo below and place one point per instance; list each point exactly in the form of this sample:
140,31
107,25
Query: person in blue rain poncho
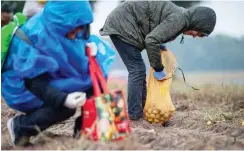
49,78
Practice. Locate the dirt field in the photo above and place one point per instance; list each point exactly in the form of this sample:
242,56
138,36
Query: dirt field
212,118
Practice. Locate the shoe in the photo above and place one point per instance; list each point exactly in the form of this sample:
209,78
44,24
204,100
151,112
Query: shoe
16,140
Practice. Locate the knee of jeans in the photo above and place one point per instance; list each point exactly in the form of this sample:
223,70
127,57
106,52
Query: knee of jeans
137,76
138,68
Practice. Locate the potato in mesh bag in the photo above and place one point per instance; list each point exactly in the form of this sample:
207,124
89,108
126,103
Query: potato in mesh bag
159,107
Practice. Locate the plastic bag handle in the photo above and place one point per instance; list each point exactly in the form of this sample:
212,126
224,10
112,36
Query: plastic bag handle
96,75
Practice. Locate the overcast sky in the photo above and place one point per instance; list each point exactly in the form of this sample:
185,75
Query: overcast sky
230,16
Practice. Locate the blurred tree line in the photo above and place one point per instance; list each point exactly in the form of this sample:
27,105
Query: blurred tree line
220,52
215,53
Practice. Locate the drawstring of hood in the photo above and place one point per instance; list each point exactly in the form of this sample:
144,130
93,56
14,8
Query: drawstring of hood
182,39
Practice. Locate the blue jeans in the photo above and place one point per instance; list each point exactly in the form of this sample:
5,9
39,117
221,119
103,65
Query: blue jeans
134,63
44,117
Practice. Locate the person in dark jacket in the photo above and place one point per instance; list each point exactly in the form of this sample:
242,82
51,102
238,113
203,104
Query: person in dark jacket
137,25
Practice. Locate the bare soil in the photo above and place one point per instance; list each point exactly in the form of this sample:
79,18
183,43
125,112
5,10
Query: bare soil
211,118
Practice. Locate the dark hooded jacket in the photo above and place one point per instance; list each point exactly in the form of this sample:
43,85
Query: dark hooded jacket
147,24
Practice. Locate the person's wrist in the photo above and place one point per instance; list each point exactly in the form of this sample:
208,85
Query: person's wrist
162,47
159,69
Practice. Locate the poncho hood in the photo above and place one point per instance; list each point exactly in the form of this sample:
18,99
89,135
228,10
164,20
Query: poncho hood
66,16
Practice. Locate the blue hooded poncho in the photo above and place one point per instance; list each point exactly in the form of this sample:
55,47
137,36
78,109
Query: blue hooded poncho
63,59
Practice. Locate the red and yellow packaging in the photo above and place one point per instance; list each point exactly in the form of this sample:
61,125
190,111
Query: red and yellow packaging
104,116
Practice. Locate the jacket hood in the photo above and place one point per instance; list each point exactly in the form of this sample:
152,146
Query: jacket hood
61,16
202,19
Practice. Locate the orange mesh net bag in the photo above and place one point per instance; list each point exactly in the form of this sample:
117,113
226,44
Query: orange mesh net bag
159,107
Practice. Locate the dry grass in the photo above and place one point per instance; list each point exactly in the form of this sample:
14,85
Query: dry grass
210,118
